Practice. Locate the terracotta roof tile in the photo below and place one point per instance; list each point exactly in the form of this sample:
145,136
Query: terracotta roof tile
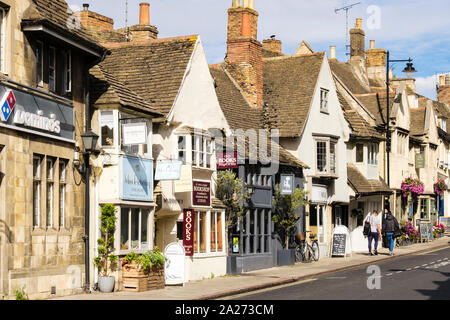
58,14
362,184
105,89
289,85
153,69
237,111
346,73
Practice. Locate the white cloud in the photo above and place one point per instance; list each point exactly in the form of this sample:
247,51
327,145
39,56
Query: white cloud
427,86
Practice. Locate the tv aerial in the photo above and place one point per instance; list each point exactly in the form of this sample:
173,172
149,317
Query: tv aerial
346,9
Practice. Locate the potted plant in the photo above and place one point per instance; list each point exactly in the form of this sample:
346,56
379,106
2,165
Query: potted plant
156,277
438,229
134,272
285,218
106,261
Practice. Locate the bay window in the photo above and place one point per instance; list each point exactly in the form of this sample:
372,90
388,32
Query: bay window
359,153
107,128
134,229
208,232
182,149
424,208
202,151
326,156
373,154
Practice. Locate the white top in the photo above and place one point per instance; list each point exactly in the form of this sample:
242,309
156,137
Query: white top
374,222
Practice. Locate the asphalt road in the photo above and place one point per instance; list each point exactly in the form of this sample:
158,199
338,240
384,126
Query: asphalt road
415,277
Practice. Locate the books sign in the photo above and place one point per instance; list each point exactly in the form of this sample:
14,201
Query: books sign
227,160
201,193
188,232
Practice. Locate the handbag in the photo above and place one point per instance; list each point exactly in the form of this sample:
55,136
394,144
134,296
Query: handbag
366,230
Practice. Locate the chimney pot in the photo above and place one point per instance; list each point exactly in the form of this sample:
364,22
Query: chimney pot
236,3
442,80
144,15
447,79
246,3
86,6
251,4
332,52
358,23
246,26
372,44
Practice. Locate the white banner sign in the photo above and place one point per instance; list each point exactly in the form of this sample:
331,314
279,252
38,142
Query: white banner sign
134,133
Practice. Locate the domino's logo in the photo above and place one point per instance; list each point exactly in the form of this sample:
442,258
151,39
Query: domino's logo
7,105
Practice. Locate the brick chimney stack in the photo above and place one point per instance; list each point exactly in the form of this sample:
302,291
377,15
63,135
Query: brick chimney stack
93,21
357,40
244,52
443,90
273,45
144,30
376,64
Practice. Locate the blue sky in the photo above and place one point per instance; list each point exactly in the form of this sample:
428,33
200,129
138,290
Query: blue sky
419,29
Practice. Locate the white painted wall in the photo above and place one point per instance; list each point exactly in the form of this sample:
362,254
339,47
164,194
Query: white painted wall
332,123
197,104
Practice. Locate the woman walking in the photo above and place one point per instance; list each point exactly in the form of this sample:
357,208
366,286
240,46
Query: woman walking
390,225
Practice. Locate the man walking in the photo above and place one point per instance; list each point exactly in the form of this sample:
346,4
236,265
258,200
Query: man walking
375,232
390,225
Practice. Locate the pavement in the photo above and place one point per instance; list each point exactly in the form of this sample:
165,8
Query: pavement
228,286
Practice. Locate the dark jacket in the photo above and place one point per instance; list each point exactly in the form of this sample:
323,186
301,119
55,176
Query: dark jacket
390,224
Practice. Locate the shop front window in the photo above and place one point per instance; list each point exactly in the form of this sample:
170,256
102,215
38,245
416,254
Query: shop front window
200,232
134,229
424,209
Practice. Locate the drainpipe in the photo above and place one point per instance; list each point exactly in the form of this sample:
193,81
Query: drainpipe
87,284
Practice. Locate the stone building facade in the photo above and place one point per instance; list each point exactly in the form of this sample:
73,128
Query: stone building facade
41,196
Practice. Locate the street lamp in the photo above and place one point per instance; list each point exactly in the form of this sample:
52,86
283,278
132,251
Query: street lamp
89,140
409,70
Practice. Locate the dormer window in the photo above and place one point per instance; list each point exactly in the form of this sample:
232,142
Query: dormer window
373,154
324,100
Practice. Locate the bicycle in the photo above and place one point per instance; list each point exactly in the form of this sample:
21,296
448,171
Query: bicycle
306,252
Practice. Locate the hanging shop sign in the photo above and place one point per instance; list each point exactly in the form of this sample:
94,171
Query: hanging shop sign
319,194
137,179
420,160
227,160
168,170
287,184
188,232
174,267
201,193
134,133
23,111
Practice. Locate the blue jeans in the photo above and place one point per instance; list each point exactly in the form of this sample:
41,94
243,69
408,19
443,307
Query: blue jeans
390,239
373,236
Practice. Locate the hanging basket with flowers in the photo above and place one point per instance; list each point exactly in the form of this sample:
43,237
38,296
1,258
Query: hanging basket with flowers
440,187
415,187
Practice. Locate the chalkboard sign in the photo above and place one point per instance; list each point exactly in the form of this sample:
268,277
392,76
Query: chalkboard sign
339,245
425,231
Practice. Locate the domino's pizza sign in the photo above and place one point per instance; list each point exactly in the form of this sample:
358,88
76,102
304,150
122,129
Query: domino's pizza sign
7,104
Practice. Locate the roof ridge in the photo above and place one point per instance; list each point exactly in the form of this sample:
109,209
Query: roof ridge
137,43
293,57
